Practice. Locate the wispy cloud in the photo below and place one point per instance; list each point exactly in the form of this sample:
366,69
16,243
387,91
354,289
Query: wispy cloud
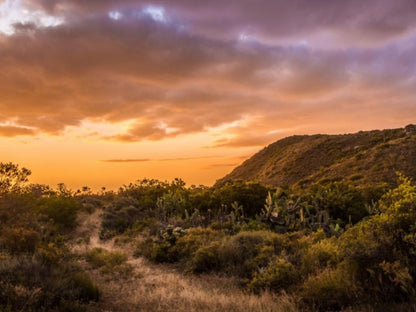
126,160
157,159
212,166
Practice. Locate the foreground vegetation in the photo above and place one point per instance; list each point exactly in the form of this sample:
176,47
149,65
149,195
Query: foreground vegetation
328,247
37,271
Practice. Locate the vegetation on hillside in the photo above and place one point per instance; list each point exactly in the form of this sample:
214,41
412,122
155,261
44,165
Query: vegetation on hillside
363,158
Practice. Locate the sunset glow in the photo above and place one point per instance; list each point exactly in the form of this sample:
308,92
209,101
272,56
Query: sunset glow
102,93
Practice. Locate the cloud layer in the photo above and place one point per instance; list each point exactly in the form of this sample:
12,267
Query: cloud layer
253,69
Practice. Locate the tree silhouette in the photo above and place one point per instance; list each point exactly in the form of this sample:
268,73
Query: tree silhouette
12,177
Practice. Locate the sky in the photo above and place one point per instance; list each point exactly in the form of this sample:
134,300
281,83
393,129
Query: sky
105,92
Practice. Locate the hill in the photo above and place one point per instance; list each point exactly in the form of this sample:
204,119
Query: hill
363,157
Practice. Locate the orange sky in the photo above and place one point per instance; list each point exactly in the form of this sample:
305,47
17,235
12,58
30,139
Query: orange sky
102,93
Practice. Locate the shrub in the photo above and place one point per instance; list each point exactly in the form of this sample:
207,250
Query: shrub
250,195
152,225
17,210
49,254
378,255
397,278
120,215
340,199
19,240
188,244
175,244
162,252
279,275
62,210
206,258
26,284
85,289
99,258
241,254
322,254
332,289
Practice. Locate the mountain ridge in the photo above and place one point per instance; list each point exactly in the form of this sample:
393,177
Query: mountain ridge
363,157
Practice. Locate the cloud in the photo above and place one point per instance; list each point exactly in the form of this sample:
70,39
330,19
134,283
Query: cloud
126,160
12,131
190,74
350,21
156,159
244,141
213,166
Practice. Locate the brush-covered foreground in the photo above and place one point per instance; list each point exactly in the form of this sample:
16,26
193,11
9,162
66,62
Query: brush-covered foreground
159,246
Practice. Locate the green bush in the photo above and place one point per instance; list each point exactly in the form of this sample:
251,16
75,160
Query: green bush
379,252
62,210
19,240
163,252
322,254
250,195
243,253
206,258
279,275
332,289
99,258
195,238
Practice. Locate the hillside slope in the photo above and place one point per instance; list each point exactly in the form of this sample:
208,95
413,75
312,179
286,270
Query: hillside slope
363,157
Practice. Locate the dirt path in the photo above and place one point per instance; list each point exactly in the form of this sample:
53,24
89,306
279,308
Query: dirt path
87,234
151,287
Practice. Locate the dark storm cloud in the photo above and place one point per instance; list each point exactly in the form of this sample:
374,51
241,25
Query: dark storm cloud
351,20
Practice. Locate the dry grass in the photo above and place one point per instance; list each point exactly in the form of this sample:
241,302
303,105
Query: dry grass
160,288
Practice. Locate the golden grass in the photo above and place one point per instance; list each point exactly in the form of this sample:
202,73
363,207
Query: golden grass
160,288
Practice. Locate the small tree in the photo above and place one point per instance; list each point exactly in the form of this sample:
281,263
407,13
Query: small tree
12,177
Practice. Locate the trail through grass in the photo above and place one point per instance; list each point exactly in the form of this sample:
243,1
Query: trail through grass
149,287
